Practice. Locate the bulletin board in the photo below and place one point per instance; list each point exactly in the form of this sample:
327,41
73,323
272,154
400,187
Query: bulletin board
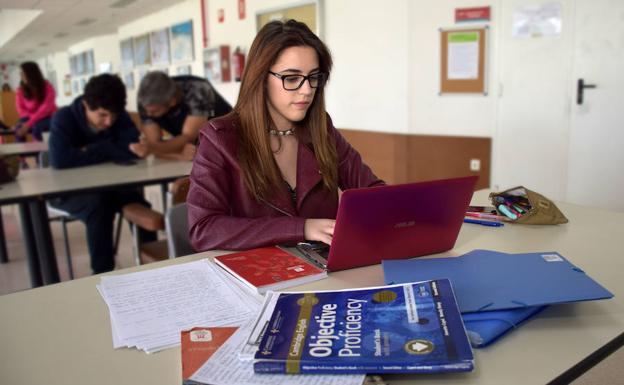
463,60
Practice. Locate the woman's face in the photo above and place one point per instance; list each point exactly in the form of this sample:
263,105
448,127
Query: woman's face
287,106
23,77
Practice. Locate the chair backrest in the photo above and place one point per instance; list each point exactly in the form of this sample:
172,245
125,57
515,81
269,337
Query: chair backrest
177,231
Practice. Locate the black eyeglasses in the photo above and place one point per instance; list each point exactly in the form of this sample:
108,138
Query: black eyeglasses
294,82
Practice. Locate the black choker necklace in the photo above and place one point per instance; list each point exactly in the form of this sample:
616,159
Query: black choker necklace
290,131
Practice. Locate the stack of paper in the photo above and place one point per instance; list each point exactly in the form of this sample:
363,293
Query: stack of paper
149,309
224,368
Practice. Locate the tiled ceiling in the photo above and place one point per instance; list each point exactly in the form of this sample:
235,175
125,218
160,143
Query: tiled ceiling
66,22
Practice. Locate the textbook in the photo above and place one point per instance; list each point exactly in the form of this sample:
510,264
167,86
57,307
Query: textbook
269,268
407,328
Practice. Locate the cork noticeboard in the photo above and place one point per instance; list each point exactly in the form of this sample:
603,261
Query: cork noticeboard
463,60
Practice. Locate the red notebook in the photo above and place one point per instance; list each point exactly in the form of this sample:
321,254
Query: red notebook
269,268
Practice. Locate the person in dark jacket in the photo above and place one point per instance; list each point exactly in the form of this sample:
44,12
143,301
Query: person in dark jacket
179,105
96,128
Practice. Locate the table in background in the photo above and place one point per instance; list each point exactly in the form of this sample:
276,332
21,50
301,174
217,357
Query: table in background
60,334
22,149
33,187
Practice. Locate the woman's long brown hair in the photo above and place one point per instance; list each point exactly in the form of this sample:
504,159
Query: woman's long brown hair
260,171
34,88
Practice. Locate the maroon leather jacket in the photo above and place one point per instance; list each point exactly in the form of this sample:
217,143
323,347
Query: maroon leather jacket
222,214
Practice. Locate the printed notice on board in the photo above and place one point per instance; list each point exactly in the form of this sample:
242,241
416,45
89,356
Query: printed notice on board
463,55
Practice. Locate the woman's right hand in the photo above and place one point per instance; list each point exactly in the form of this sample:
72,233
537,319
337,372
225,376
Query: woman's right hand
319,230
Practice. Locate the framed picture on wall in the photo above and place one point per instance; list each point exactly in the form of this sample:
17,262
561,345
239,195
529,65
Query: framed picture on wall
142,54
89,60
306,12
73,65
159,41
67,91
128,79
182,42
127,54
183,70
217,64
80,64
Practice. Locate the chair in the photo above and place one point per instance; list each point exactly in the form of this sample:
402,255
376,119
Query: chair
57,215
173,222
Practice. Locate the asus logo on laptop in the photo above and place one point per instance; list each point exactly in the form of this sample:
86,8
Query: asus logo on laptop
401,225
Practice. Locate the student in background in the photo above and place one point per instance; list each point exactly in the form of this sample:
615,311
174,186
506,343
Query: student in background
96,128
6,87
35,103
179,105
269,172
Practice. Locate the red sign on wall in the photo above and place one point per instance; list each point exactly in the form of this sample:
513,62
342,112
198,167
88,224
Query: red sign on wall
241,9
220,15
472,14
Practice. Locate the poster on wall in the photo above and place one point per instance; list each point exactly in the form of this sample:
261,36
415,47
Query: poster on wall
183,70
212,64
159,41
142,54
182,42
73,65
127,55
80,64
128,79
89,62
537,20
67,91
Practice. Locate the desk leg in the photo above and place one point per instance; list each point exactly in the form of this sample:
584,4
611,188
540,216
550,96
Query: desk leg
45,245
31,246
4,255
163,193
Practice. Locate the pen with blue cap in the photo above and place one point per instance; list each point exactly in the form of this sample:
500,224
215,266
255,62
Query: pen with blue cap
483,223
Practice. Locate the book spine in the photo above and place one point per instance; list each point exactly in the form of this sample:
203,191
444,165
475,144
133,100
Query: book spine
280,368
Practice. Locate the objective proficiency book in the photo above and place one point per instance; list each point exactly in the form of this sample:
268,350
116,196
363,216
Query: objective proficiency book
408,328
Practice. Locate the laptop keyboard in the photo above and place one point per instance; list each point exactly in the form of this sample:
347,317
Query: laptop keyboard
315,252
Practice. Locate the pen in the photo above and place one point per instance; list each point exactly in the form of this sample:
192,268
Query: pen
483,223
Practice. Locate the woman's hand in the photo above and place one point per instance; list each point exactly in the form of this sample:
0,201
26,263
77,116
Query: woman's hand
319,230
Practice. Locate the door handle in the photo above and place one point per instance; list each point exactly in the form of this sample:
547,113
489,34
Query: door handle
580,88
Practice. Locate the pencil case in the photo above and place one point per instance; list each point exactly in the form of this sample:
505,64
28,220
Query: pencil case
522,205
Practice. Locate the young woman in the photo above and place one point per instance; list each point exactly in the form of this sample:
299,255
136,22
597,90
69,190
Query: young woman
35,103
269,172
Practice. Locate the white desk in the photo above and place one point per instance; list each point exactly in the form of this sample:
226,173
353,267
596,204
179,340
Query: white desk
33,187
25,149
60,334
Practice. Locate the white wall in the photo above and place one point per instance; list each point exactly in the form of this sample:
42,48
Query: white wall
448,114
369,43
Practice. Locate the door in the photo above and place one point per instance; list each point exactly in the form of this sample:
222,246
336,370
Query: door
531,137
596,157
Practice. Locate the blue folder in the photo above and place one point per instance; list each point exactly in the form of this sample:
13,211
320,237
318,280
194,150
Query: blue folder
488,280
497,291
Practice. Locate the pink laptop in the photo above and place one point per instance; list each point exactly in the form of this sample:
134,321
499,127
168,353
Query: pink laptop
395,222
